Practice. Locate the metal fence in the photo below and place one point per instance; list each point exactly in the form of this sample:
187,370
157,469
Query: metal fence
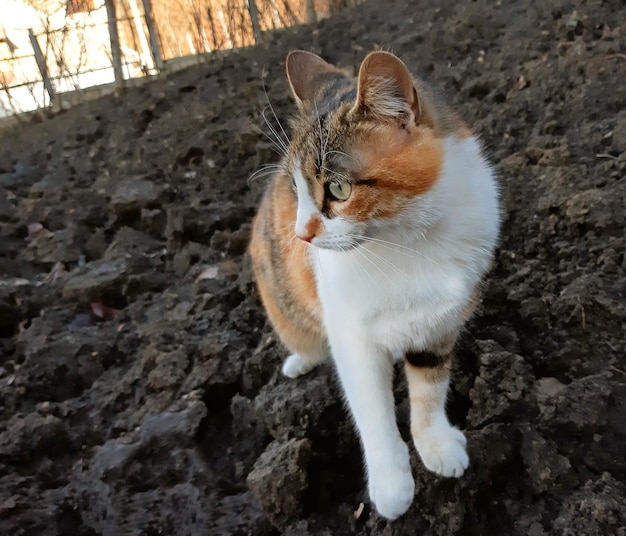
88,43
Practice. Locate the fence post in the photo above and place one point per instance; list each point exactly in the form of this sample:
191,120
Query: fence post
278,21
116,52
310,11
146,54
41,63
254,16
154,38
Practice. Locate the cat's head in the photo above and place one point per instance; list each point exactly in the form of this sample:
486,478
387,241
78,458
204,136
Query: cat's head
364,151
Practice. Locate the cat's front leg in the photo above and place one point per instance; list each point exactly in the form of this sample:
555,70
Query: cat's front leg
366,375
440,445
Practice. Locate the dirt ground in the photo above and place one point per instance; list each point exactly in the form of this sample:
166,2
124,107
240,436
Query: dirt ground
137,399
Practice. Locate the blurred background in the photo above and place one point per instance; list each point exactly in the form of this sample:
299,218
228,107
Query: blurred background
56,52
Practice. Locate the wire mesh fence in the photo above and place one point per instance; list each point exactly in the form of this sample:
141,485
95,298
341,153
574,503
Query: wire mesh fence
54,47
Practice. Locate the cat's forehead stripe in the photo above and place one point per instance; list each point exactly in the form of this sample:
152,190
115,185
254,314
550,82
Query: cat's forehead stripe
335,94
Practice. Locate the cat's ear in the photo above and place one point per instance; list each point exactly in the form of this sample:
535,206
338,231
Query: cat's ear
386,89
306,73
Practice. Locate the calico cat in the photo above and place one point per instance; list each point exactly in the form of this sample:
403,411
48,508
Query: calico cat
370,246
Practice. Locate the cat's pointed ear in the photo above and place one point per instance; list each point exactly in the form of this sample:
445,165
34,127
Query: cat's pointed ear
306,73
386,89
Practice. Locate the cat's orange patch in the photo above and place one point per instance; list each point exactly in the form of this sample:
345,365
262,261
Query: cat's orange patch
302,277
402,164
299,270
297,319
314,226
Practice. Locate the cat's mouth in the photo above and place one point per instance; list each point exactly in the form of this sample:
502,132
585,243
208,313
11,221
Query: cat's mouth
336,244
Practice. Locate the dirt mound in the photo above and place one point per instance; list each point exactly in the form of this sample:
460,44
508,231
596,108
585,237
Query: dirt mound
138,398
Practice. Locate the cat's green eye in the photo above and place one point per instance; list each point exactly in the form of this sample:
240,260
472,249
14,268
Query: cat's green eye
340,190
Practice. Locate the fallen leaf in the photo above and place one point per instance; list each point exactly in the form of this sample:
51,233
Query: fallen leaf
14,282
57,270
103,311
359,511
36,230
210,272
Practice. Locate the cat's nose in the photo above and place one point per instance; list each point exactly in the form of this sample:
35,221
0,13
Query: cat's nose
305,236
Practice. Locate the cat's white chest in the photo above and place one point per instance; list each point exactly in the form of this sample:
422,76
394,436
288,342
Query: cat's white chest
396,302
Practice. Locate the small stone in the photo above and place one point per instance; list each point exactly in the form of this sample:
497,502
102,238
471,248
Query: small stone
545,467
619,133
592,207
581,406
512,395
134,194
96,279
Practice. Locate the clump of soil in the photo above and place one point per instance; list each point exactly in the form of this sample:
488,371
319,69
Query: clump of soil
139,398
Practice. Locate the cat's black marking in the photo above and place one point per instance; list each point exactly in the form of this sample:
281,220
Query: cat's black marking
424,359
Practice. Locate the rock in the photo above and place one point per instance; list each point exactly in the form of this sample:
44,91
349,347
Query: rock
49,185
546,388
503,388
34,434
96,280
584,304
58,246
179,424
492,451
279,478
111,509
131,241
134,194
581,407
199,224
218,362
545,467
594,207
249,434
598,509
294,408
618,143
169,368
63,355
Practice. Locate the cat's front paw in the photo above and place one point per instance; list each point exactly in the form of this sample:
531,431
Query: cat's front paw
296,365
392,488
442,450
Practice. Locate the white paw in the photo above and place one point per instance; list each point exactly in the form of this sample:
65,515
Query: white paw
392,487
442,449
295,365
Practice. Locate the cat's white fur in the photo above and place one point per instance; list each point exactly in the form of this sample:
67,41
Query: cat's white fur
406,290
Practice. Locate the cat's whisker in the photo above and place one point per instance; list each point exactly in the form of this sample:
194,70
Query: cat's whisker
404,250
335,172
375,258
269,102
365,276
375,265
321,154
279,139
269,169
340,153
290,243
276,147
324,153
388,263
319,264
